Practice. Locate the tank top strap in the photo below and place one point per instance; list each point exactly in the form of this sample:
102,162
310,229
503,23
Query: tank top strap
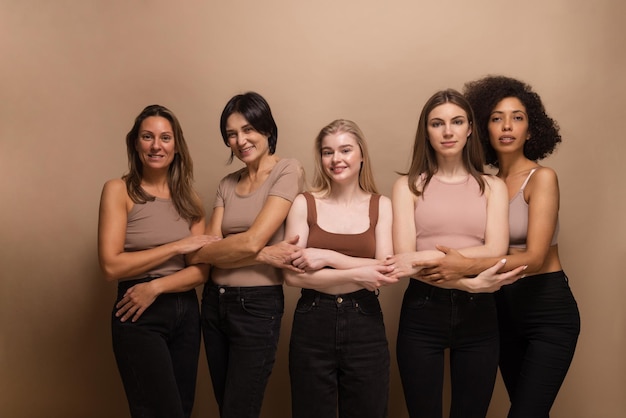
374,205
527,179
311,211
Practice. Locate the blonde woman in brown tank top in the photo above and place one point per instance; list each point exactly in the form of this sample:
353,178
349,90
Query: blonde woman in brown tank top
149,219
538,315
338,357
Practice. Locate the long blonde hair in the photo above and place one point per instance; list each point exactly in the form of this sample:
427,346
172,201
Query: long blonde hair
322,183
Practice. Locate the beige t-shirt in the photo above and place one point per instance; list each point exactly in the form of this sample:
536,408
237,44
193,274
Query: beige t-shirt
240,211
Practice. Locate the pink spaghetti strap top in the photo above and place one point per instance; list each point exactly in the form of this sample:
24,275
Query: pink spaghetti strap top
518,219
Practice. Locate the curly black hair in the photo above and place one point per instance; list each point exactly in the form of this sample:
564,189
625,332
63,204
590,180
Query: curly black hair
484,94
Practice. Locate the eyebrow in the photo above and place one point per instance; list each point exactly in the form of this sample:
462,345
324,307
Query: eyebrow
515,111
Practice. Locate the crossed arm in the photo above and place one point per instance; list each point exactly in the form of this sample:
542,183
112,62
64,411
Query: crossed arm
325,269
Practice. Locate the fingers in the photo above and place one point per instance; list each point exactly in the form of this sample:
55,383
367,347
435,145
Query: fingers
443,248
293,240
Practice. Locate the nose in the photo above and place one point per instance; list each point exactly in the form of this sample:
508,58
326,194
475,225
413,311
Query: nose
506,123
447,130
241,139
156,144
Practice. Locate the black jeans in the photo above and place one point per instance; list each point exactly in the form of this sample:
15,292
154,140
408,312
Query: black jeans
539,327
241,326
431,320
338,356
157,356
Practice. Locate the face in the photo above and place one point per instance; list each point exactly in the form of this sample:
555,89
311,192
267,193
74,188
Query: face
508,126
156,145
448,129
341,156
246,143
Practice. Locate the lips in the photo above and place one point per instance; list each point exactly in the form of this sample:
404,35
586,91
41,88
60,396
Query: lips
506,139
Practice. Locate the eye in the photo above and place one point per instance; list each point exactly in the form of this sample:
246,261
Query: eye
435,124
327,153
458,122
231,135
346,150
166,138
248,129
496,119
519,117
146,137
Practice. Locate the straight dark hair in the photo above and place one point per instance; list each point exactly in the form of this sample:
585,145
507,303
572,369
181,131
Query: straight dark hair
257,112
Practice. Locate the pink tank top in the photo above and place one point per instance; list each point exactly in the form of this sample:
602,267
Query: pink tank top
518,219
451,214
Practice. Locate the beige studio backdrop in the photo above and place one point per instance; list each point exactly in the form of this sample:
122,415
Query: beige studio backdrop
74,74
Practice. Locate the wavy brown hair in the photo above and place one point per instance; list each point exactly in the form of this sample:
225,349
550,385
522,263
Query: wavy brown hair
179,174
424,159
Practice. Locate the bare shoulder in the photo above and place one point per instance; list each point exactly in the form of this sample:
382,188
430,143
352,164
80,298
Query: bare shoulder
544,174
114,187
544,181
494,185
384,204
493,181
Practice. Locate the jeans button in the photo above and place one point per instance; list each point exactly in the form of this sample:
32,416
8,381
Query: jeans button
339,299
222,290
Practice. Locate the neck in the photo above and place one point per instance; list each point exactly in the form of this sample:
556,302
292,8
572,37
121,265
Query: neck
513,164
450,169
261,166
346,194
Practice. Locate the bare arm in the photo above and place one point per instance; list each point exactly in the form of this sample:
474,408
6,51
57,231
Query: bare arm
368,273
114,261
139,297
244,248
542,193
497,228
404,231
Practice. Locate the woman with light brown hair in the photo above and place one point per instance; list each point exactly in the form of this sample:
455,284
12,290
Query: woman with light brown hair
149,219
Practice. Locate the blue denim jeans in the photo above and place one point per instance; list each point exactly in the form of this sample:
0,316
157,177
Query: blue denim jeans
539,327
241,326
157,356
431,320
338,356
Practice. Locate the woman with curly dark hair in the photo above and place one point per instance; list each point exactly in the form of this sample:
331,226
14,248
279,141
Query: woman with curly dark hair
538,315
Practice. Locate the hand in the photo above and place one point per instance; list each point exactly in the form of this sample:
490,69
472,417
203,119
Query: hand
374,276
451,267
136,300
280,255
195,242
406,263
488,281
310,259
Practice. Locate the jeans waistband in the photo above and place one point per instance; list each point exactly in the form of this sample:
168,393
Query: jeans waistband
242,291
127,284
437,293
348,299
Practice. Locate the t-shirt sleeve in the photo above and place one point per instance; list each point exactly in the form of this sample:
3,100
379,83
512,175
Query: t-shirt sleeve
289,181
222,189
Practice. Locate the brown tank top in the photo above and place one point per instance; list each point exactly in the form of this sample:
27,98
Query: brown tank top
355,245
